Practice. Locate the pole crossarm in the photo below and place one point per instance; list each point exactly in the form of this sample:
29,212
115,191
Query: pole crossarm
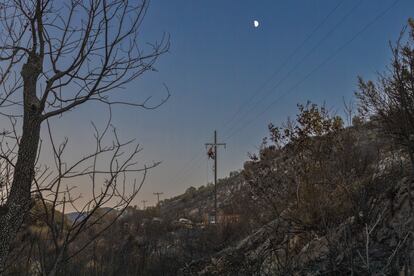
217,144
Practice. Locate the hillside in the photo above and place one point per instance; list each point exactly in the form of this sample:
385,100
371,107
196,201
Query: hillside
335,203
324,200
196,203
369,235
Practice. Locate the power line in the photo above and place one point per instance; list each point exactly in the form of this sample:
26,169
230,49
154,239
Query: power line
300,62
283,64
303,79
185,169
368,25
195,162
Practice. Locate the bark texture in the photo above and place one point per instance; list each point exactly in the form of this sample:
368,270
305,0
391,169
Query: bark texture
19,200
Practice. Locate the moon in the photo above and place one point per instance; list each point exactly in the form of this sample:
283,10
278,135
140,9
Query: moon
256,23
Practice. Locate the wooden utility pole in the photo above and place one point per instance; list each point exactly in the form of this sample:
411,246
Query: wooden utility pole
143,202
214,146
158,197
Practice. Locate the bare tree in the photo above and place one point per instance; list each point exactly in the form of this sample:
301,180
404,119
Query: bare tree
92,220
391,99
68,53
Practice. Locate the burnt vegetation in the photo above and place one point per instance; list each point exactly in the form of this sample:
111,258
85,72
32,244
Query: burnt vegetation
323,195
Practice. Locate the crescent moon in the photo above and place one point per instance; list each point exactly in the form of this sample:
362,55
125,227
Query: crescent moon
256,23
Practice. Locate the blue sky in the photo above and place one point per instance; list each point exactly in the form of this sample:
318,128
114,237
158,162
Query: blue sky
219,64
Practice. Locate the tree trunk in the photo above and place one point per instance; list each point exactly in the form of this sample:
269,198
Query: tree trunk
19,200
411,181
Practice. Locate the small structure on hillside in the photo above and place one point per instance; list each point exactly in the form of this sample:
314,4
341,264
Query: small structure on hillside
222,218
183,222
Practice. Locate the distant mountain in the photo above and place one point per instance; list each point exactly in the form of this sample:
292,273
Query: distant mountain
79,216
76,216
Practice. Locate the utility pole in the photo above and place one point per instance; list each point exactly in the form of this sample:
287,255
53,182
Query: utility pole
214,156
143,202
158,197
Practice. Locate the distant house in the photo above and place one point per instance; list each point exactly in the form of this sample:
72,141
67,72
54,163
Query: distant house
228,218
222,218
185,221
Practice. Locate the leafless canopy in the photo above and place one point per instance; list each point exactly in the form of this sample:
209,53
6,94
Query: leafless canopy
83,50
54,56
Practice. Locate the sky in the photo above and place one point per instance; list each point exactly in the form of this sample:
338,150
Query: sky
226,75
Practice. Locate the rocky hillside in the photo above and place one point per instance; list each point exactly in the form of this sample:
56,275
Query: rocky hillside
377,247
358,222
